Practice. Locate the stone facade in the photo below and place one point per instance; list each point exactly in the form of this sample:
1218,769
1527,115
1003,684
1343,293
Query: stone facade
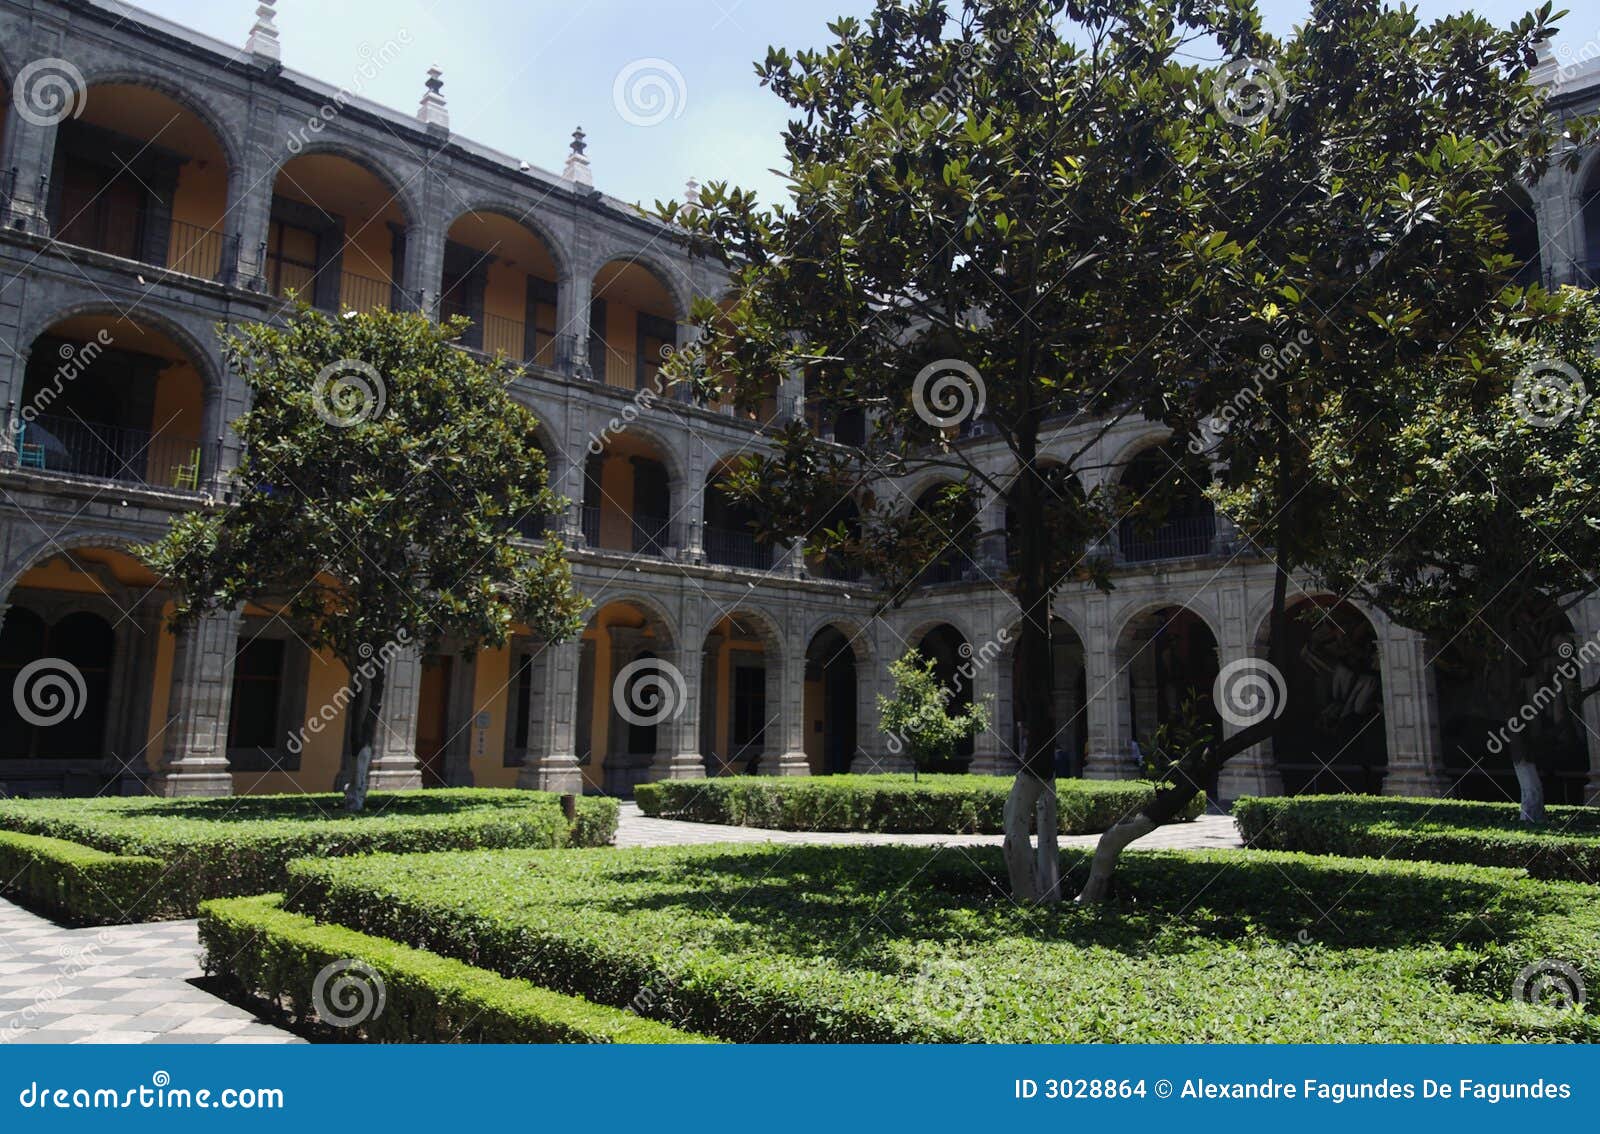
683,599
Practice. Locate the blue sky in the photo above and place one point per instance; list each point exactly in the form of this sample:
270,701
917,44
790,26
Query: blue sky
520,74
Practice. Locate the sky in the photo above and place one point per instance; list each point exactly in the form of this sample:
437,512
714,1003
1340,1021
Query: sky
519,75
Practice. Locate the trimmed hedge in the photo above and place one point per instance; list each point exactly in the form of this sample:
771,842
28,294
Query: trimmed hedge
269,953
76,882
213,848
946,805
1565,847
911,944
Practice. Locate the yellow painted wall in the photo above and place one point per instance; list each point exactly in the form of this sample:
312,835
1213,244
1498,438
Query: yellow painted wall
812,713
622,342
177,412
492,694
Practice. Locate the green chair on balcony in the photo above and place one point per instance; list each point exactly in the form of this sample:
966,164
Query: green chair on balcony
187,475
30,455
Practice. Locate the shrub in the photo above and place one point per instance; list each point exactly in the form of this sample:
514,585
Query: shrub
270,953
898,944
1566,846
944,805
75,882
211,848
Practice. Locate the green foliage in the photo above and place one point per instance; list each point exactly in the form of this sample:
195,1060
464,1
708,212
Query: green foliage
946,805
1566,846
892,944
209,848
79,883
381,475
917,715
265,951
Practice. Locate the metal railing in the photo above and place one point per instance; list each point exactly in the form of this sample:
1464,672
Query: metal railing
125,454
286,276
195,250
363,293
1186,537
941,571
589,517
737,549
651,535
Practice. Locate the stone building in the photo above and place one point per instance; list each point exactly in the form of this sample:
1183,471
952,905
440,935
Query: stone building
157,182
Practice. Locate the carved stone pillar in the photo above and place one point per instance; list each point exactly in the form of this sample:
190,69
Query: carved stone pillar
195,755
552,761
394,760
1410,714
1108,756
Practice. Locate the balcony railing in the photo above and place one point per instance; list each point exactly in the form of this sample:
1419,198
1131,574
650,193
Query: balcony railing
737,549
356,291
651,535
109,452
196,251
191,249
363,293
1184,538
941,571
589,517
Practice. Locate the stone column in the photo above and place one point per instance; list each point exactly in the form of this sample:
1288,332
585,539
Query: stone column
1410,713
1255,770
126,764
678,755
250,187
195,757
572,320
991,748
394,761
1108,756
552,761
788,671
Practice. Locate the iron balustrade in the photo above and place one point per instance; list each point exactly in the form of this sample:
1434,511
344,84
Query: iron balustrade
126,454
1186,537
589,517
737,549
650,535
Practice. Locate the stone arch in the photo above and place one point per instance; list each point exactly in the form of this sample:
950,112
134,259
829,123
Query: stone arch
206,360
400,189
194,99
1166,659
673,279
528,218
43,550
781,699
1147,436
836,699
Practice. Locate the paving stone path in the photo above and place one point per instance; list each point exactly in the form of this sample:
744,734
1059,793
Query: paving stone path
136,983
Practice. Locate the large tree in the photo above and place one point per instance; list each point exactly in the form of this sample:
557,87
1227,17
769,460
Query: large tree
1474,517
1045,204
382,474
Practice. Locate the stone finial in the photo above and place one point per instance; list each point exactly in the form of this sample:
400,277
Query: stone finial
1546,72
691,196
263,42
432,110
577,167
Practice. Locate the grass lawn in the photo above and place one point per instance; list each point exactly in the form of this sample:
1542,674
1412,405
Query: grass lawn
917,944
940,804
1565,846
206,848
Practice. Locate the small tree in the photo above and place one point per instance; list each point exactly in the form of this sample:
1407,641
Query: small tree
382,472
918,715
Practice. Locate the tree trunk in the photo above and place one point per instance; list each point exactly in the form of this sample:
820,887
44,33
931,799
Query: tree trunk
1034,870
361,731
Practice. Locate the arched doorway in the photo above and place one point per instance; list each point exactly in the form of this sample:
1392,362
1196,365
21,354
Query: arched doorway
1168,661
632,326
1182,523
336,237
1069,700
730,531
501,276
1331,736
114,399
140,175
740,697
831,709
628,497
952,558
629,694
950,651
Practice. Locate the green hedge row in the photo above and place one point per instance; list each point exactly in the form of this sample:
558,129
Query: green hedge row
213,848
1566,846
276,955
907,944
77,883
947,805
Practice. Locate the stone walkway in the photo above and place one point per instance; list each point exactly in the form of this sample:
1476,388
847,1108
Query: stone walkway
113,984
136,983
635,829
